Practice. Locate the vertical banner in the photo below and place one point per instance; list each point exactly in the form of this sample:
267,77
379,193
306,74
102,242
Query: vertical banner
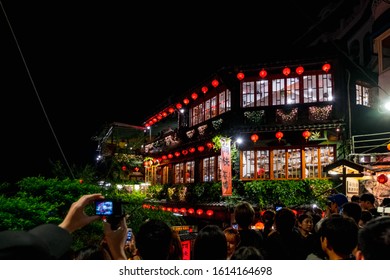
226,167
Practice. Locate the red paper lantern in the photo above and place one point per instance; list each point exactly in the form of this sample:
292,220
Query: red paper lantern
159,117
164,157
186,101
191,211
136,169
184,152
199,212
209,212
306,134
240,76
124,168
263,73
204,89
192,150
200,148
179,106
209,145
279,135
164,114
177,154
170,156
254,137
171,110
215,83
183,210
299,70
326,67
194,95
286,71
382,179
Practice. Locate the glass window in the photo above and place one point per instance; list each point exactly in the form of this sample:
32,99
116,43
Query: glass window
262,93
362,95
248,164
208,169
262,166
292,90
309,89
248,94
278,92
190,172
325,87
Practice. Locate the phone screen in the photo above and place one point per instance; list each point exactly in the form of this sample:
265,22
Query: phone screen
129,235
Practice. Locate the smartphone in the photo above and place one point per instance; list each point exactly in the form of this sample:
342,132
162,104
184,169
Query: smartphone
129,235
104,207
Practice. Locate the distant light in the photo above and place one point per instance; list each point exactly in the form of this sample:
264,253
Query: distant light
239,140
387,106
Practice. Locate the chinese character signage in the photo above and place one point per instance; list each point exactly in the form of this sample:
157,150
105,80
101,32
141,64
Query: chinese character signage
226,167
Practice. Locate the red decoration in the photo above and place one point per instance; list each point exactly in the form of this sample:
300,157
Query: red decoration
191,211
382,179
124,168
183,210
199,212
209,145
209,212
184,152
200,148
177,154
205,89
192,150
299,70
279,135
306,134
186,101
159,117
175,210
164,114
254,137
155,120
194,95
81,181
136,169
170,156
164,157
179,106
240,76
286,71
388,147
326,67
263,73
171,110
215,83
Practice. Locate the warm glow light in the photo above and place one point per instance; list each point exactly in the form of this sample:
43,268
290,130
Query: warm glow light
179,106
240,76
199,212
177,154
215,83
209,212
388,147
200,148
263,73
205,89
299,70
171,110
194,95
279,135
124,168
382,179
186,101
170,156
254,137
326,67
184,152
306,134
286,71
209,145
191,211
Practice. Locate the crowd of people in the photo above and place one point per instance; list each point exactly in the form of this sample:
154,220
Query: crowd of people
348,230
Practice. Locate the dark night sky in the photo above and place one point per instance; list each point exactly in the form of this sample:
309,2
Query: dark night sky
69,67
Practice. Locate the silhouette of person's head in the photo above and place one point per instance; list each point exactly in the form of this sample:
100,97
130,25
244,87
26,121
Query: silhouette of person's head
154,240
